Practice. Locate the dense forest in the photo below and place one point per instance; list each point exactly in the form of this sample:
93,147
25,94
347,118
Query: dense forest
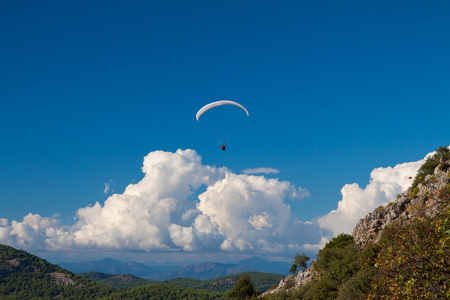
26,276
117,280
261,281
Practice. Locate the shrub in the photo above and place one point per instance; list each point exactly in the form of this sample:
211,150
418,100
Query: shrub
443,166
336,263
414,192
357,286
445,193
289,283
442,153
413,260
340,241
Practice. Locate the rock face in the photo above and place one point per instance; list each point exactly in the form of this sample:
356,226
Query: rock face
423,200
62,278
293,282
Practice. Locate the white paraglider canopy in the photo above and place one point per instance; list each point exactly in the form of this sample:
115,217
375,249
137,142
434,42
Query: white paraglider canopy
218,103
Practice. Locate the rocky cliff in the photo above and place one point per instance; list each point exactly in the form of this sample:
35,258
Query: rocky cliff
429,191
426,199
293,282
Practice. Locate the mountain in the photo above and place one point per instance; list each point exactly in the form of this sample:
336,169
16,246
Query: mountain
25,276
261,281
117,280
262,265
112,266
206,270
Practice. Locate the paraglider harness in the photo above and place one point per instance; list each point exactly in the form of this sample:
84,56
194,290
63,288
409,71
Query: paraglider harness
223,147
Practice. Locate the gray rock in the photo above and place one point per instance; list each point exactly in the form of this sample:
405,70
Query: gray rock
368,229
293,282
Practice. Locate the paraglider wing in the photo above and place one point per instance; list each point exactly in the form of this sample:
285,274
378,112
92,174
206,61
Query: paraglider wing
218,103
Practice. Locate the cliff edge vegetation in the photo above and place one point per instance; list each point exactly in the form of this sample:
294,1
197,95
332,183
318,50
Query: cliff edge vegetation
399,251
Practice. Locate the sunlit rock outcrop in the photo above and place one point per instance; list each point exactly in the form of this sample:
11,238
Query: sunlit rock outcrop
425,199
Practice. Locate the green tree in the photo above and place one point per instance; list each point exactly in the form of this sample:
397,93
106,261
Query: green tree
244,289
336,263
293,269
299,263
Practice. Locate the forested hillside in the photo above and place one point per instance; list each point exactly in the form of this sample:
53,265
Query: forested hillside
25,276
261,281
117,280
166,292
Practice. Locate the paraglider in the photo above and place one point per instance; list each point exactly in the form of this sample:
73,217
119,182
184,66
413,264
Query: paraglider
218,103
220,137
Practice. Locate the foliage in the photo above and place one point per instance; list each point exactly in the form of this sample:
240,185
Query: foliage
244,289
410,261
293,269
338,263
289,282
299,263
443,166
442,154
357,286
164,291
340,241
414,192
445,192
261,281
413,260
116,280
25,276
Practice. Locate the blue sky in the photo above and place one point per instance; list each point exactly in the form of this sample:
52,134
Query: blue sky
335,89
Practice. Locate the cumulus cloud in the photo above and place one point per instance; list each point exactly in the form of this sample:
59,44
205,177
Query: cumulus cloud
184,205
260,221
236,213
33,232
356,202
261,171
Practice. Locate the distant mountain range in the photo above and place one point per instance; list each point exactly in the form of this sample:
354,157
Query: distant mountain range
261,281
206,270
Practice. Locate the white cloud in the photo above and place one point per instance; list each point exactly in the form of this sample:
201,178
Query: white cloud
3,222
260,221
356,202
261,171
236,213
108,187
